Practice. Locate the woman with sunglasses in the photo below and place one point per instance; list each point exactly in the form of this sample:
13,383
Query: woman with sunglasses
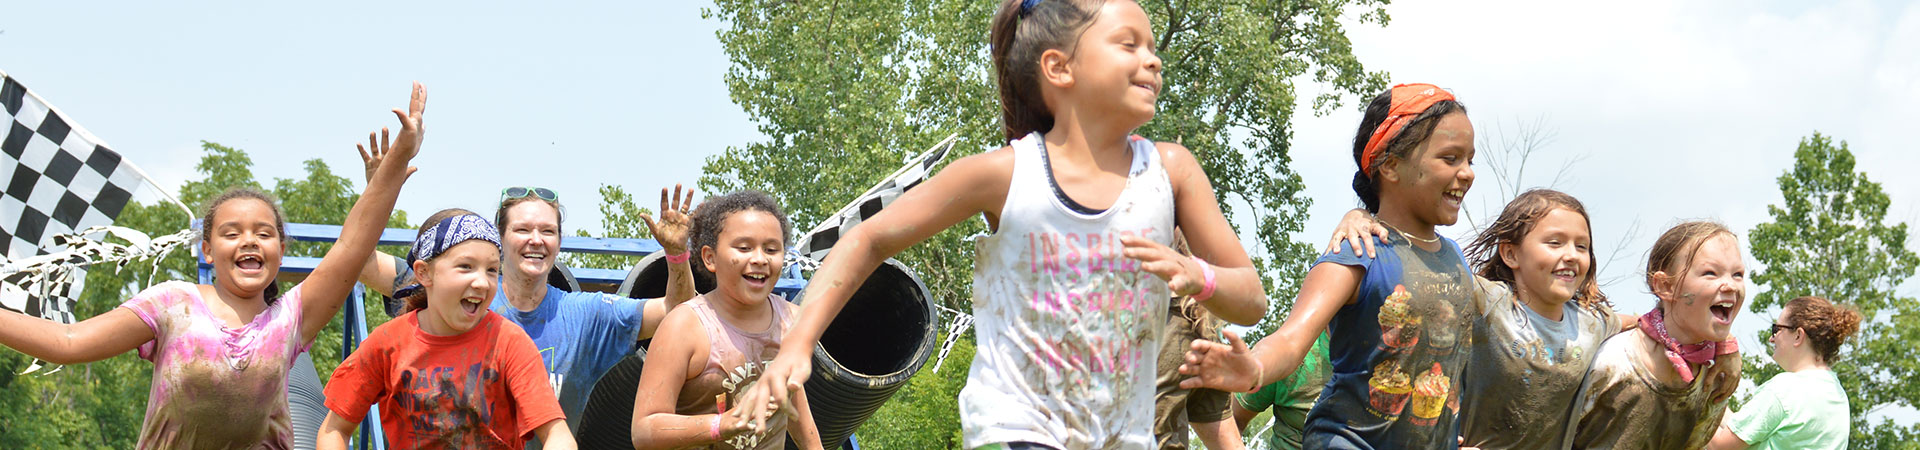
581,335
1804,407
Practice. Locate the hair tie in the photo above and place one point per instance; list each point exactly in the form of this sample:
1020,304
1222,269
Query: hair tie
1026,6
1406,102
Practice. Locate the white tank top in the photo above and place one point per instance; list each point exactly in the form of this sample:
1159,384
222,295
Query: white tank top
1067,326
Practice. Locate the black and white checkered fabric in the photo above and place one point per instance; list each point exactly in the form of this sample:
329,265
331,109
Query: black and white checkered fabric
59,179
814,245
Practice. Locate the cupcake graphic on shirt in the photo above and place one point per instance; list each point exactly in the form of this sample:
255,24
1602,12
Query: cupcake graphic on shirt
1387,390
1430,394
1399,327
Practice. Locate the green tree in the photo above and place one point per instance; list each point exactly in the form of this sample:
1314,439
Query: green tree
1831,239
846,91
101,404
619,218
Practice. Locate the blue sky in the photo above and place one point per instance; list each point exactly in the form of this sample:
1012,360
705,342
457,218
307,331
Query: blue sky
1669,110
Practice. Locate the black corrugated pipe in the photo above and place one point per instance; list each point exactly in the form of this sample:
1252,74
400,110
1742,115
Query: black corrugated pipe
607,421
882,337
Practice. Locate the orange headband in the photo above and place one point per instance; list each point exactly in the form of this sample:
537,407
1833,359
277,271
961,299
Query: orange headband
1407,102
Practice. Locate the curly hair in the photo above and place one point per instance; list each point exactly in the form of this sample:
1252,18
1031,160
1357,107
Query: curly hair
1520,217
237,193
1827,325
1400,148
711,217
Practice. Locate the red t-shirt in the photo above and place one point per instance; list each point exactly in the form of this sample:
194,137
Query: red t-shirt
484,388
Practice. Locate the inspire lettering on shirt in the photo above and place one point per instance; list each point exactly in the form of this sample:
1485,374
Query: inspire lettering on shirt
1087,302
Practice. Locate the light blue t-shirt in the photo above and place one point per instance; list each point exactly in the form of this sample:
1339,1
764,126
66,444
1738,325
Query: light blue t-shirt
1801,410
581,335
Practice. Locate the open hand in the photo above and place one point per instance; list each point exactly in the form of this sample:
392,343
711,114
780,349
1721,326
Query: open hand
1354,228
1227,367
1182,273
671,229
403,147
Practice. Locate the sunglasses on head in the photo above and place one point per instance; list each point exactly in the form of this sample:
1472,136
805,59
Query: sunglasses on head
523,191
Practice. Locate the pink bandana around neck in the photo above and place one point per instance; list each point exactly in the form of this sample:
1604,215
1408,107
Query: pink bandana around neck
1654,324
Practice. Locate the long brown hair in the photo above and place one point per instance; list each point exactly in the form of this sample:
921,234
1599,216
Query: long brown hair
1019,35
1520,217
1827,325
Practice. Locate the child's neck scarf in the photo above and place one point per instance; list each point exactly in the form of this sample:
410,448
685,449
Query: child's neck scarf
1654,324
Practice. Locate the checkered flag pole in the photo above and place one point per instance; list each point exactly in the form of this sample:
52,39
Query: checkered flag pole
59,179
813,246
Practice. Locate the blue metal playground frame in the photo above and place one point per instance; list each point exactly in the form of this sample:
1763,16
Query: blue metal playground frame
372,436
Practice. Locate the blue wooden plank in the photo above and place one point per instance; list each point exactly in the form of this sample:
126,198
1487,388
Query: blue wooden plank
402,236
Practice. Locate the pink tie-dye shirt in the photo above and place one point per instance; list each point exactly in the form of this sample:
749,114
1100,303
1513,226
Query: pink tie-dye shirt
216,387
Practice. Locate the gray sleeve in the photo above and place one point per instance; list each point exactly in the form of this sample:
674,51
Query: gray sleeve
402,273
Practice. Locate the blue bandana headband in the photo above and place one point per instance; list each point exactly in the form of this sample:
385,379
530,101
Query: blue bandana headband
1026,6
444,235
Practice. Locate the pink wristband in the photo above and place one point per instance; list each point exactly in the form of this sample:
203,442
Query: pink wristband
1206,270
713,428
680,258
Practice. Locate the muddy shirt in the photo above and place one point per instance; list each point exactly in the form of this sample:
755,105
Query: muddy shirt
480,389
1621,405
1291,397
735,359
1068,327
1398,351
216,387
1525,370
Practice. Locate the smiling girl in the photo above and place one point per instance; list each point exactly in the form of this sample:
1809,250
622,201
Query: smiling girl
1401,321
713,347
221,352
1642,391
449,373
1071,288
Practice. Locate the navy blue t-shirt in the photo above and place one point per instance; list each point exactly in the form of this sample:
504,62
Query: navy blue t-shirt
1398,352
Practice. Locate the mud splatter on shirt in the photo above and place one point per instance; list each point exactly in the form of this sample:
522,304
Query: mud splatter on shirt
485,388
215,386
1068,327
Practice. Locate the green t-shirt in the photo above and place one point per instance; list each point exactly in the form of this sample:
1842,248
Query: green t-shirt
1291,397
1794,410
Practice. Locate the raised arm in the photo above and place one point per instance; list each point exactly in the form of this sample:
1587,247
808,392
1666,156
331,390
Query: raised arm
94,339
671,232
381,269
327,287
1238,296
1234,368
967,187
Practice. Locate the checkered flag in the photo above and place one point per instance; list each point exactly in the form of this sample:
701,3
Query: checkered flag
59,179
813,246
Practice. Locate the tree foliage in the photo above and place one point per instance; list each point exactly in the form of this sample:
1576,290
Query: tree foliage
1831,239
101,404
619,218
845,91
